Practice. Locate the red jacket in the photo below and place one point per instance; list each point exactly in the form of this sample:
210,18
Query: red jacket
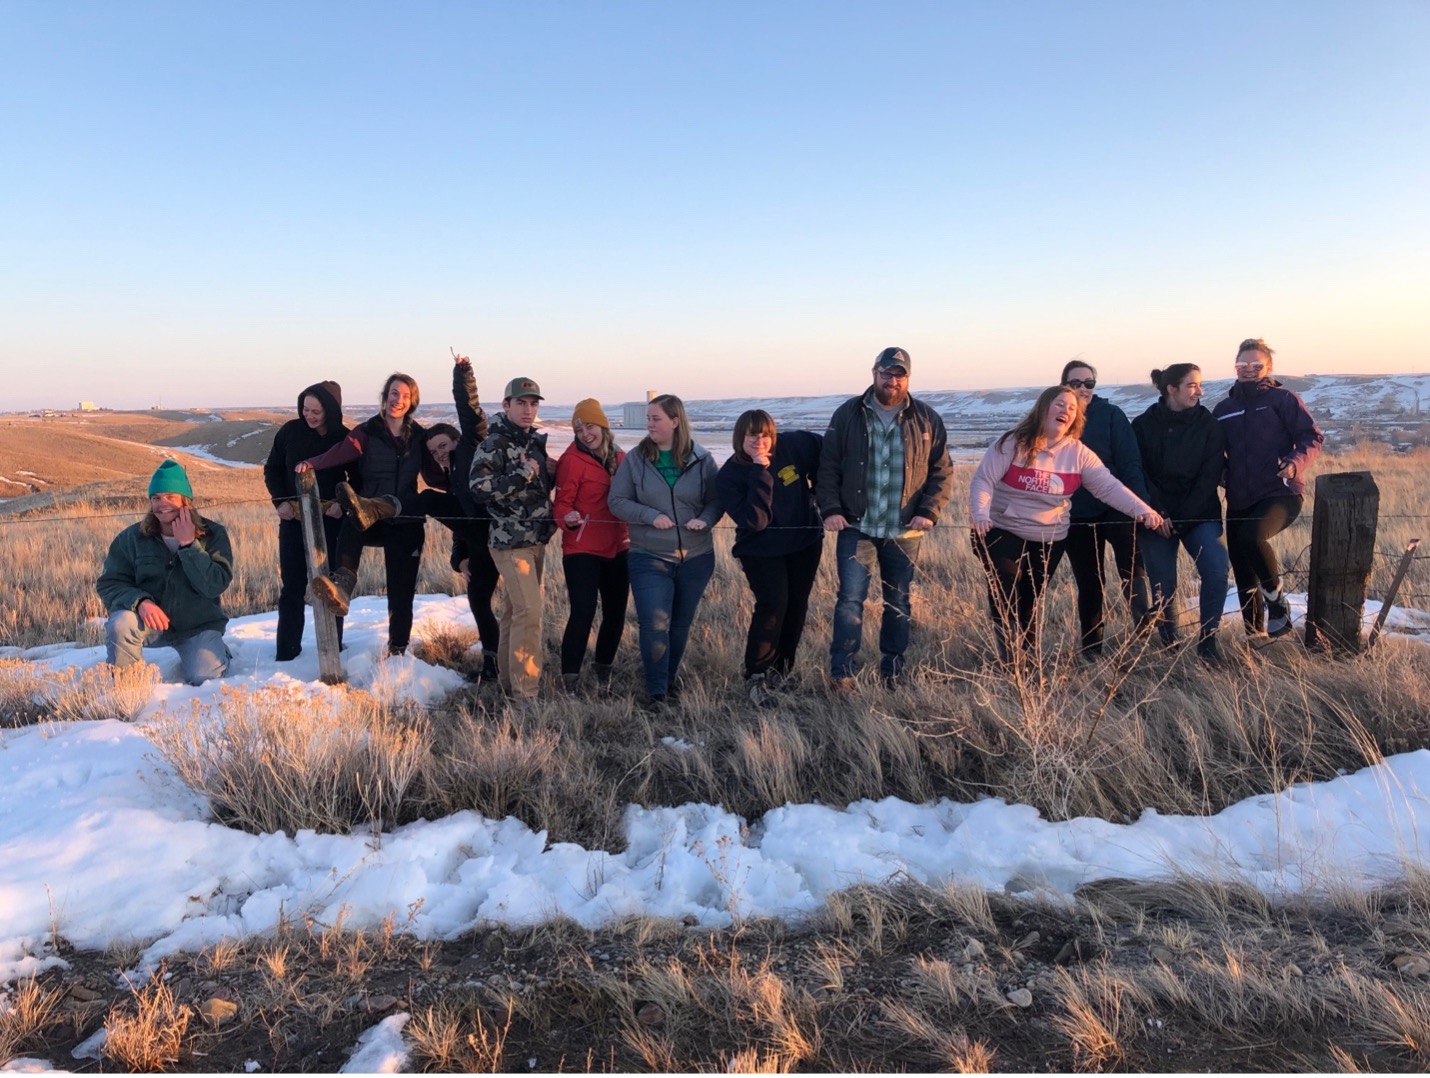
582,485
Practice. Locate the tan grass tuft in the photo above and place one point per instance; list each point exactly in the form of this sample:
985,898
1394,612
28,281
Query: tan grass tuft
150,1032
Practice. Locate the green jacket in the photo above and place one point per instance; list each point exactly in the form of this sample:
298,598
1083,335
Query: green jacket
186,583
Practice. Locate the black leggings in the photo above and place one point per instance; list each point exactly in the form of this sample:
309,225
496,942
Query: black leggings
590,577
1018,572
1253,560
1084,550
401,542
781,585
469,544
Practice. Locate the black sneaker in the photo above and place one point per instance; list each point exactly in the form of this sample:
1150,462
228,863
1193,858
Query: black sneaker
1278,617
759,693
1209,652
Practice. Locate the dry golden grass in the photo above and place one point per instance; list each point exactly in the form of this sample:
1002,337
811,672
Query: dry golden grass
151,1032
27,1014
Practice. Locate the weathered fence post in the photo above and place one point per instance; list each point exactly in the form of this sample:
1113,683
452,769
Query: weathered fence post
1342,555
1389,603
325,625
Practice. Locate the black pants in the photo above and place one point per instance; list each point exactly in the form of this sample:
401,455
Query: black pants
293,572
401,542
590,577
781,585
470,545
1253,561
1018,571
1084,549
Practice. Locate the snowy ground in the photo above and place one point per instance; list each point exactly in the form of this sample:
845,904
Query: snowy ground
101,844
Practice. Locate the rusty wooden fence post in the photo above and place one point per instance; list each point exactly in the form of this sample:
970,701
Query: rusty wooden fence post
325,625
1342,556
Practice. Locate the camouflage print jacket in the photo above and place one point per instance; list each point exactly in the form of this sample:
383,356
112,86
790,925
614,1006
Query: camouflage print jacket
509,477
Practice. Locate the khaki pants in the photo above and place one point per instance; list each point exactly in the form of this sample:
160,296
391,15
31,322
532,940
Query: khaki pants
520,662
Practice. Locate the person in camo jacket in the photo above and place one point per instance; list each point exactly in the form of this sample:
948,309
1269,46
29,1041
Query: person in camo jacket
511,476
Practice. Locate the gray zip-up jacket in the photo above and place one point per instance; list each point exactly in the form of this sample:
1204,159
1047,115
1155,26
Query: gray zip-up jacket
639,494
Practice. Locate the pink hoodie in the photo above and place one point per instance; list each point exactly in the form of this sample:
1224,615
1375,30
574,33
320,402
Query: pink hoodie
1032,500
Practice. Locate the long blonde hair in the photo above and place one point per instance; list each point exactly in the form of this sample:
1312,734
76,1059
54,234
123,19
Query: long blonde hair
1028,437
681,447
605,452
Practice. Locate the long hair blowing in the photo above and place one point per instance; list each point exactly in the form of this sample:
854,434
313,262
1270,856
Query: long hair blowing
674,408
1028,436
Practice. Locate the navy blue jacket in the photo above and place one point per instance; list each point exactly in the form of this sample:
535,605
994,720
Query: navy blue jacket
773,508
1108,434
1183,459
1266,427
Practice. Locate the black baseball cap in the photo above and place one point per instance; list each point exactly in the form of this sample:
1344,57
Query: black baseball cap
890,358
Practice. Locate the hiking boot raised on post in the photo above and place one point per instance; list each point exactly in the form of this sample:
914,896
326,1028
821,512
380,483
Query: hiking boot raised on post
335,592
366,511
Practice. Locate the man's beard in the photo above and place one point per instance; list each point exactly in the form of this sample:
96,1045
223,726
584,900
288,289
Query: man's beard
890,395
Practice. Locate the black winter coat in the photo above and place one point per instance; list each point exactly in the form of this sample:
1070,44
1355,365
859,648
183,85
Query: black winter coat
1183,460
295,442
1108,434
773,507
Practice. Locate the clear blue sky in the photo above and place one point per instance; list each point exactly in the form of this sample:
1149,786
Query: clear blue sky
217,203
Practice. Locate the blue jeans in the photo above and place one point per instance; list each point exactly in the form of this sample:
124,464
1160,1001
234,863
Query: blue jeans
666,594
1159,555
855,555
202,655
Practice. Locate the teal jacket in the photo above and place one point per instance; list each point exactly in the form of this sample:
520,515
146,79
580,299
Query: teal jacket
186,583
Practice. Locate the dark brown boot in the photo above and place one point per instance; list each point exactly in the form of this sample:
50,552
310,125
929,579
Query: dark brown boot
365,511
335,592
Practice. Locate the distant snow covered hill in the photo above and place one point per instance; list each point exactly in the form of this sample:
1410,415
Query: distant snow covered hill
1336,400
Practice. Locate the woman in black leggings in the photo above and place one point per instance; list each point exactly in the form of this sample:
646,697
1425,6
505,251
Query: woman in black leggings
1271,440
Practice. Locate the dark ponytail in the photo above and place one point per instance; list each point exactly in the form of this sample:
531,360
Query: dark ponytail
1172,376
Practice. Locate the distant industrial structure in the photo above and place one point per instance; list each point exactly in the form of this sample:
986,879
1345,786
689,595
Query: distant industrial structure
633,412
88,406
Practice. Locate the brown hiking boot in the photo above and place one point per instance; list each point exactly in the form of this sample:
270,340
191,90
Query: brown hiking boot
335,592
365,511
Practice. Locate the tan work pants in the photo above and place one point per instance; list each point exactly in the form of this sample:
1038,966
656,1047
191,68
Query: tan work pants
519,665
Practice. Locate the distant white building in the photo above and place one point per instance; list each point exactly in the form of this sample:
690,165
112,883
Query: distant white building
88,406
633,412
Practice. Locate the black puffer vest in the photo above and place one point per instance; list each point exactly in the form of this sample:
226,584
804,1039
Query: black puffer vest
390,467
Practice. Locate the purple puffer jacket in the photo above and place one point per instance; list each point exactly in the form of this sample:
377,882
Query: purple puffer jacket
1267,427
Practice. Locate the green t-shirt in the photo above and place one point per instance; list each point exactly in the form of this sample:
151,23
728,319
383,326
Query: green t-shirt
668,466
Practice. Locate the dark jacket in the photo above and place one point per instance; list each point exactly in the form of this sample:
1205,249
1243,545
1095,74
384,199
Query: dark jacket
1266,427
390,466
1183,461
502,481
640,494
773,507
473,422
186,583
296,442
842,486
1108,434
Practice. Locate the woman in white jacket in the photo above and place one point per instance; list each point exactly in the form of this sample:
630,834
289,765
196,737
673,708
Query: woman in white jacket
1019,506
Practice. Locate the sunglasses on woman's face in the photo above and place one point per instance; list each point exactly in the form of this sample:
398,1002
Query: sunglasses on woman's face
1081,383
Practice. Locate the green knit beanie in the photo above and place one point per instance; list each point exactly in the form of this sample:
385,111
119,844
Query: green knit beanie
170,478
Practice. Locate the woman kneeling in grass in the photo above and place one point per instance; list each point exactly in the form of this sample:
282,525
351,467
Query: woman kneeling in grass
1019,507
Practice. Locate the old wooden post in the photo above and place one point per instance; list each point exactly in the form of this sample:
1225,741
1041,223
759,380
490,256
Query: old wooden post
1342,553
325,625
